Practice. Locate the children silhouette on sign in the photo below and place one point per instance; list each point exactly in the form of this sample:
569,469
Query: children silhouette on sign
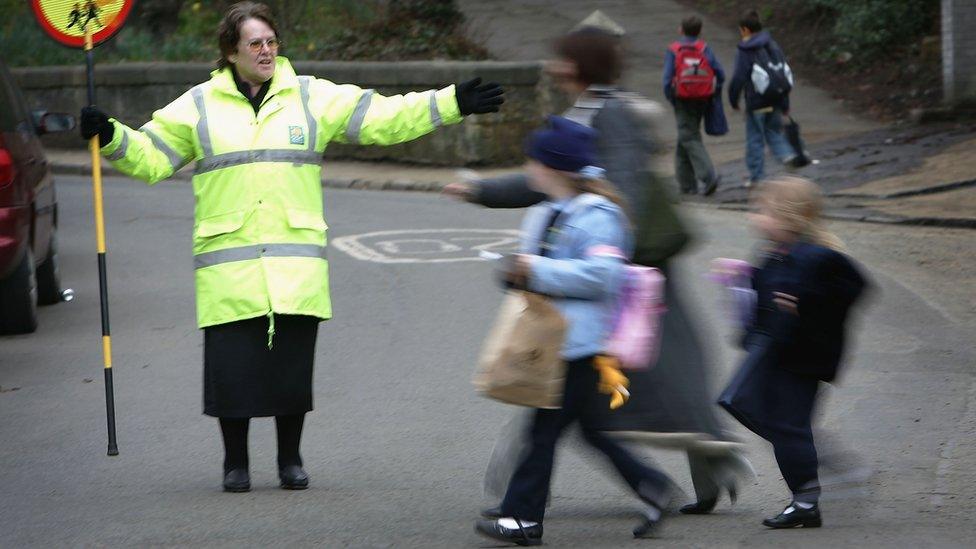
92,13
75,17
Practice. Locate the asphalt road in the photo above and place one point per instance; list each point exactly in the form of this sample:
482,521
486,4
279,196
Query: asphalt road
398,442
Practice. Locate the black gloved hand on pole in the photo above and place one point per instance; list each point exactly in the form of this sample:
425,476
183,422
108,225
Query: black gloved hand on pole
473,97
95,122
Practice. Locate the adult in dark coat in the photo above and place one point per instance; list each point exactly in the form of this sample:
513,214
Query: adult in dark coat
673,396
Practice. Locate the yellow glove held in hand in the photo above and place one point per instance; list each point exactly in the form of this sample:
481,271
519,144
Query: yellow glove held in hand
612,381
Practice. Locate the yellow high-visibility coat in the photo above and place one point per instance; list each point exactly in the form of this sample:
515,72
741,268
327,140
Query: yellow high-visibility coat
259,237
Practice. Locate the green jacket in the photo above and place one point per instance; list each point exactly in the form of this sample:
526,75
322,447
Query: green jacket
259,238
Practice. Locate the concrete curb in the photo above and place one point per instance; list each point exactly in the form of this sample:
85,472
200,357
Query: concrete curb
434,186
881,219
933,189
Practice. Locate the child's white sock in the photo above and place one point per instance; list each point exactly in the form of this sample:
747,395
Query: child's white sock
511,524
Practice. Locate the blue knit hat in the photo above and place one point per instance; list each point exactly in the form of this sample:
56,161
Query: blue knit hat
564,145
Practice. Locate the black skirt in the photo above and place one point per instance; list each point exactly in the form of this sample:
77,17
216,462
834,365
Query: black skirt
673,396
243,378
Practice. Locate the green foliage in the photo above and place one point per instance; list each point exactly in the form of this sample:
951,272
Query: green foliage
872,27
402,29
309,29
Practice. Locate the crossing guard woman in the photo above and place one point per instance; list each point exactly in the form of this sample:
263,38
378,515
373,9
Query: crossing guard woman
256,133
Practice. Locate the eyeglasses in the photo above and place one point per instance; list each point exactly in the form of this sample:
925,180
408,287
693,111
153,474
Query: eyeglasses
256,45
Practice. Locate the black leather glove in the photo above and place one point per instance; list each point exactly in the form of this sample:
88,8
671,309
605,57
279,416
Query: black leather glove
95,122
475,98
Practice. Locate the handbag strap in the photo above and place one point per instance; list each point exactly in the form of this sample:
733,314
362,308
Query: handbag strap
558,216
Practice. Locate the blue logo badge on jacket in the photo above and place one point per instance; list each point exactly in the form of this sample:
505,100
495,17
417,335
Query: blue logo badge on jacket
296,135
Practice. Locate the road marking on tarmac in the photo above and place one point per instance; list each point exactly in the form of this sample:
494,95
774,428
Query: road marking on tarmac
428,245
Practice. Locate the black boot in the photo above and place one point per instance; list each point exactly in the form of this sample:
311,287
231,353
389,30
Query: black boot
705,506
237,480
236,476
795,516
522,535
702,507
293,477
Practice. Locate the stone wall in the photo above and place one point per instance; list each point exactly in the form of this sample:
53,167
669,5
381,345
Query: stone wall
132,91
959,50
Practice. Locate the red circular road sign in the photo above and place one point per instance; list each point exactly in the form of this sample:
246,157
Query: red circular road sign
67,20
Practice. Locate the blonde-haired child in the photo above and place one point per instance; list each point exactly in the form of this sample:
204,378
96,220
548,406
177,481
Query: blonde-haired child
805,287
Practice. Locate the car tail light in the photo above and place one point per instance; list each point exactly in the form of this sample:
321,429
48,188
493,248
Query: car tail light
7,169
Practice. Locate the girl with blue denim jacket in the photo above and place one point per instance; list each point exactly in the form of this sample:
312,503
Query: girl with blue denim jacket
572,250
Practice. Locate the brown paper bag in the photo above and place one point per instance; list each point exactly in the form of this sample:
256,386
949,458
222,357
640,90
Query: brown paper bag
520,362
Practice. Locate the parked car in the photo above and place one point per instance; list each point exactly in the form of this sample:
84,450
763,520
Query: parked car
29,274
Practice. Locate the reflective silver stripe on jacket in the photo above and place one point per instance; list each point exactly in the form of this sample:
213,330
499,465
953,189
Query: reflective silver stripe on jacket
435,113
175,160
359,116
123,146
203,128
227,160
303,83
257,251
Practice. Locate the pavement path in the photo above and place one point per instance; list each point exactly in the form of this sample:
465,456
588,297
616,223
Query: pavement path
399,440
525,29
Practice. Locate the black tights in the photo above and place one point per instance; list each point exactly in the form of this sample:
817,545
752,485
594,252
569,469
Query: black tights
234,431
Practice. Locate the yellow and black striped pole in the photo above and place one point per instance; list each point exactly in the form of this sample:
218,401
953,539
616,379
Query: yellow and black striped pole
113,448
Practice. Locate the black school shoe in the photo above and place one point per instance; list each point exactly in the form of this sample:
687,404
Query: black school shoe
523,535
657,500
649,527
712,185
293,477
492,512
237,480
795,517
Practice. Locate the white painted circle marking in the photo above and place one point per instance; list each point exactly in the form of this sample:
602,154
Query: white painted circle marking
428,245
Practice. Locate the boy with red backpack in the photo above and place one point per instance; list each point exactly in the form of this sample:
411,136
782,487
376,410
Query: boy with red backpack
693,77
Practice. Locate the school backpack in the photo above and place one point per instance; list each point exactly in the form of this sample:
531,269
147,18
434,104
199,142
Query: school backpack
694,78
636,336
772,77
735,275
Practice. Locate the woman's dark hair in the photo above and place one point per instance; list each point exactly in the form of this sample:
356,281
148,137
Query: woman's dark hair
595,52
750,20
229,29
691,26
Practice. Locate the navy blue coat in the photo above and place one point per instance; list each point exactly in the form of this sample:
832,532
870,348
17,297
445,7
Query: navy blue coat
742,76
826,284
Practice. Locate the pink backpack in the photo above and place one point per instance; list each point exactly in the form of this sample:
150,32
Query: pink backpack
636,337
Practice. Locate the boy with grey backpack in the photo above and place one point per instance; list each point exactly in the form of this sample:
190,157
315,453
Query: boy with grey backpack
761,71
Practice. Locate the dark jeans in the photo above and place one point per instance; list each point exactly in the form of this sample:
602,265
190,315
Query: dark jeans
691,160
529,487
778,405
